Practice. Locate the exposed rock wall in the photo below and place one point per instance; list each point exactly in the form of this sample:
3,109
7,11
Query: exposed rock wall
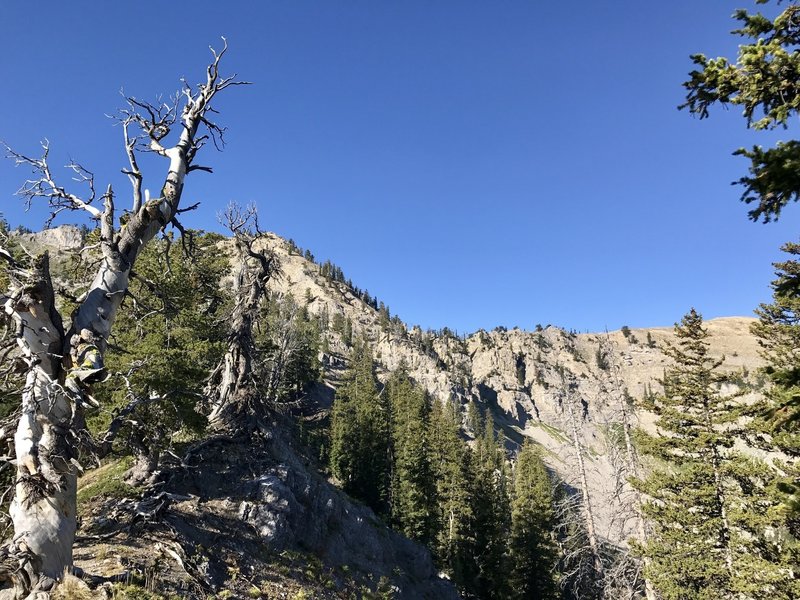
519,376
247,517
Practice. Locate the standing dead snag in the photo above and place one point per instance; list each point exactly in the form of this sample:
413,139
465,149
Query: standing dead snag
44,506
587,572
629,499
232,387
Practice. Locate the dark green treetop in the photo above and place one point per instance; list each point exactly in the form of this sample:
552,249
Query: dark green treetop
765,81
776,420
168,338
778,333
452,467
412,483
718,528
491,509
360,433
533,552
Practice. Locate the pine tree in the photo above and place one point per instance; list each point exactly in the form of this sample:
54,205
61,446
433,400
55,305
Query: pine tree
492,515
763,82
690,550
359,454
451,465
533,554
765,553
384,317
347,333
166,341
474,419
412,485
716,531
778,333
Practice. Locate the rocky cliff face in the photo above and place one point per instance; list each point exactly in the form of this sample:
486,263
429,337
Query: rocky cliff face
569,392
529,380
247,518
63,238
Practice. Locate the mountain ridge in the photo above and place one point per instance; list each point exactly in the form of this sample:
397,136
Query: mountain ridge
569,392
516,373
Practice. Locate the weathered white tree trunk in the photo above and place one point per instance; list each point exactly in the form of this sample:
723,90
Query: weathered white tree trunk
632,458
43,510
588,512
228,387
44,506
569,398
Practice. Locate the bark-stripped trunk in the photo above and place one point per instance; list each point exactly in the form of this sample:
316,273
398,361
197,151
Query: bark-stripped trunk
725,531
44,507
588,513
632,460
43,510
231,390
228,382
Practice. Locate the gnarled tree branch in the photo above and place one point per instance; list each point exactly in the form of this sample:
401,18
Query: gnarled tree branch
50,425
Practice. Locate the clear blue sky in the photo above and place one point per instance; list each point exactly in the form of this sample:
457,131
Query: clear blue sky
470,163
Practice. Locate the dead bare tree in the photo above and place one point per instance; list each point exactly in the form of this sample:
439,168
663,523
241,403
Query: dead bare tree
577,569
569,389
629,499
232,389
43,510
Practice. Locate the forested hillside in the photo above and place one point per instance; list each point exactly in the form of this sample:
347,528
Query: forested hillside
508,454
188,414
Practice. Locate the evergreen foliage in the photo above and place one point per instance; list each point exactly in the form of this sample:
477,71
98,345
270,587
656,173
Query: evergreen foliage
491,511
778,333
6,240
474,419
359,455
166,340
412,484
777,419
347,333
650,341
384,316
520,368
716,530
451,463
533,553
764,82
456,499
333,272
601,359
